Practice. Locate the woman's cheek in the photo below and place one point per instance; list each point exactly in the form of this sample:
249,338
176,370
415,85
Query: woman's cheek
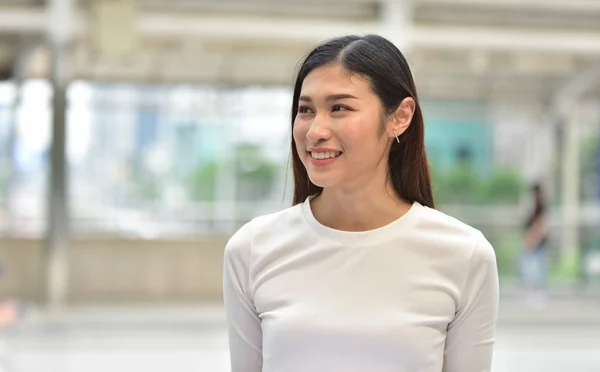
351,129
299,132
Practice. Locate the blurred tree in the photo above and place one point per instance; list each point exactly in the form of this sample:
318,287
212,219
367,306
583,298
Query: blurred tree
505,186
148,189
462,185
437,182
507,246
202,182
256,174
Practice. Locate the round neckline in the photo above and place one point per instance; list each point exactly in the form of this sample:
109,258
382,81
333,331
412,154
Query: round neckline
358,238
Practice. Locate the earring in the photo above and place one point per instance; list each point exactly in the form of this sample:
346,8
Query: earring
397,140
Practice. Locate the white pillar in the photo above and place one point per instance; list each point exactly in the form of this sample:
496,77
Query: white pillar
59,34
570,180
549,175
397,22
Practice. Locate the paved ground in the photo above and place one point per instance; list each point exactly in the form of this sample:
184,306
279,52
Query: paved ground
563,337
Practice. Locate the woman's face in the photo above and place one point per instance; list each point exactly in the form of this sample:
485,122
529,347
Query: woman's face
340,133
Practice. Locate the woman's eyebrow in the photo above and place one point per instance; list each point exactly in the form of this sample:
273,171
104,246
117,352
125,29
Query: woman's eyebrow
333,97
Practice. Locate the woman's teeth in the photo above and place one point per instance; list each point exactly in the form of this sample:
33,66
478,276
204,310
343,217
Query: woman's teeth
325,155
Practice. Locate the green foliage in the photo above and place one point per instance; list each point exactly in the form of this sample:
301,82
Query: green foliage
505,186
255,175
202,184
462,185
508,248
148,189
567,268
589,168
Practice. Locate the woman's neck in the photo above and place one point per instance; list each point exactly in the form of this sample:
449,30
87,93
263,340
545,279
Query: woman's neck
361,209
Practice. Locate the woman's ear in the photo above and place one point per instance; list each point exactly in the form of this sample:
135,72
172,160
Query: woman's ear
401,118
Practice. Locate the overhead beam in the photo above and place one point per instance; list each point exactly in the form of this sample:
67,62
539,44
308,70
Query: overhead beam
553,5
500,39
22,20
480,38
238,27
160,25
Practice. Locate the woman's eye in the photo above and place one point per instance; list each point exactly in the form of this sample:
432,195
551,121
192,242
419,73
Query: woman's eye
304,110
339,108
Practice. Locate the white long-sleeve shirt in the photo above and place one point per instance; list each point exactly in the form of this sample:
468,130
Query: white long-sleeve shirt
417,295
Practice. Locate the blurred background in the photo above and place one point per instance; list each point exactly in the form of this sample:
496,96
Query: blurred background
137,136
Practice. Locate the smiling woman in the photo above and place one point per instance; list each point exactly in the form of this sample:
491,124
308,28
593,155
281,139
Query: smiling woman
364,85
362,273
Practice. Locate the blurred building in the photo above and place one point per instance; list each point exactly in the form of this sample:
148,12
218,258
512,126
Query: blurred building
177,126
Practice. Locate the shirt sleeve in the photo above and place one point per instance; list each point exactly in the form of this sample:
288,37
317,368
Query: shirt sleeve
471,334
244,325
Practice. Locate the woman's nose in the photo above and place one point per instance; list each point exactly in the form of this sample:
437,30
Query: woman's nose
318,130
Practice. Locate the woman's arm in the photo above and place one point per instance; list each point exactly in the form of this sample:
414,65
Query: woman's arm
535,233
245,333
471,335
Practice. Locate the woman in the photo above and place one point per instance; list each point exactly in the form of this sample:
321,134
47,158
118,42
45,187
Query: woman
362,273
534,259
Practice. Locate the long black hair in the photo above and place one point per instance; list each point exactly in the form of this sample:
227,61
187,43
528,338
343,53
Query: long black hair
539,205
377,59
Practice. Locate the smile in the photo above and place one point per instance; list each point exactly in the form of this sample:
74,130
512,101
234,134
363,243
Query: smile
325,155
323,158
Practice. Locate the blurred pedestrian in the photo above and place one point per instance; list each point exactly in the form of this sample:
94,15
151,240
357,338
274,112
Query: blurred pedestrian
534,258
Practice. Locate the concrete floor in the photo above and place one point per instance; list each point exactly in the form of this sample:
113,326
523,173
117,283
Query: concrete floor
115,341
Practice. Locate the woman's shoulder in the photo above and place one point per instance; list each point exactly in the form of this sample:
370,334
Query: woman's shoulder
260,227
446,228
437,220
279,220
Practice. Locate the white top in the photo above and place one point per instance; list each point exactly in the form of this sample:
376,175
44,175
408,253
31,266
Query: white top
417,295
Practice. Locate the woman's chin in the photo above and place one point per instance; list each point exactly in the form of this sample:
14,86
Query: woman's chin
323,181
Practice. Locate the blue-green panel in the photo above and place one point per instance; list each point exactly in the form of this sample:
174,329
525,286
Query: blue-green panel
452,127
